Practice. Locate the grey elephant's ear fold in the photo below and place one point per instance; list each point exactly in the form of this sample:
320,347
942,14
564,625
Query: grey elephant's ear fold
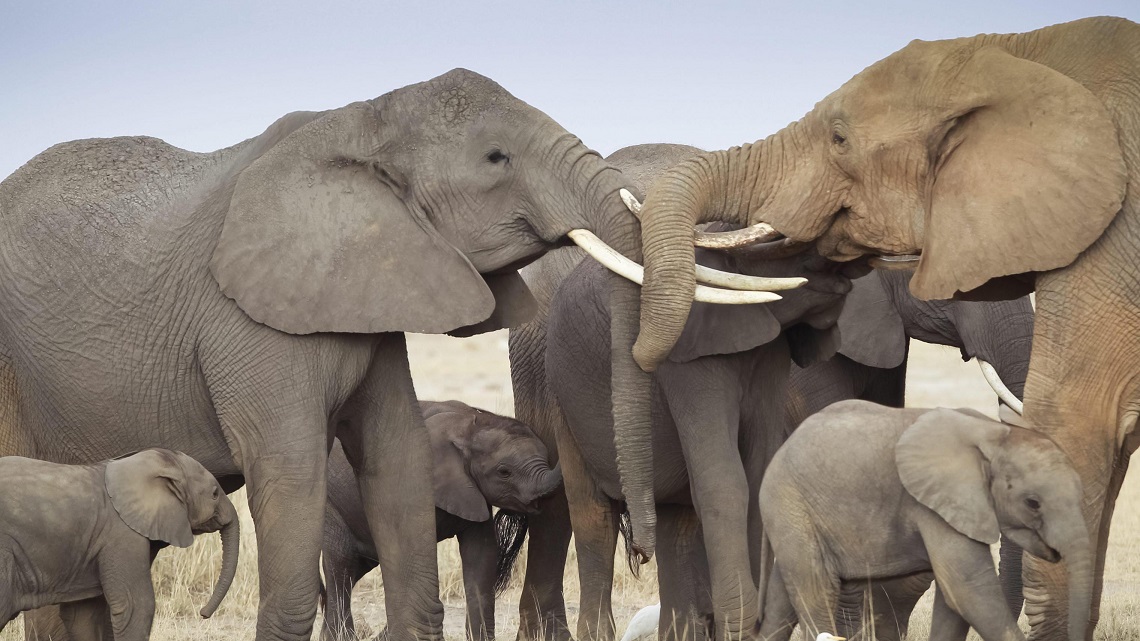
808,345
454,490
148,490
872,332
942,462
723,329
318,238
1031,174
514,305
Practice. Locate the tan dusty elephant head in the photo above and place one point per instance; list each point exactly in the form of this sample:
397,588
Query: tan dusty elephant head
168,496
990,156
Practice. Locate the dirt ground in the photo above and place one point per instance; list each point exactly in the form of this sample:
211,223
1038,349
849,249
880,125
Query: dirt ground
476,371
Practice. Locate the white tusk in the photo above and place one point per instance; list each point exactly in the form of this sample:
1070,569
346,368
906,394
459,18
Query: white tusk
630,202
999,387
729,280
626,268
758,233
890,263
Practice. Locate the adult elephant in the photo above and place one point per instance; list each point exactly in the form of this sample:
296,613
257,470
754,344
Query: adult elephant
1008,162
246,305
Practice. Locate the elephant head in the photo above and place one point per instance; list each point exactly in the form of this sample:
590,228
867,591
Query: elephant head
984,477
168,496
986,162
483,458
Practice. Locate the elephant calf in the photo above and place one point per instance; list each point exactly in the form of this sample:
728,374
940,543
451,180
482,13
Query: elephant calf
84,536
861,491
481,460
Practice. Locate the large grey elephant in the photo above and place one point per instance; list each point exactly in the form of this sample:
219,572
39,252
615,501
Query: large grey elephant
248,304
862,491
1007,163
84,536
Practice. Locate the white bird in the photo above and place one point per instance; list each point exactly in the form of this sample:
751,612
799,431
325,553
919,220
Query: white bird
643,623
827,636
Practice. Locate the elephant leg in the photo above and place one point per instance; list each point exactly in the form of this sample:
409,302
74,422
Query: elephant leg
945,623
87,620
683,576
778,618
595,518
704,402
124,573
542,610
478,553
343,569
890,603
387,444
1009,570
46,624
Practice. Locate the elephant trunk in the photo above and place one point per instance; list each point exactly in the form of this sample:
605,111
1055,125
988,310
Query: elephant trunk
231,535
550,481
1077,553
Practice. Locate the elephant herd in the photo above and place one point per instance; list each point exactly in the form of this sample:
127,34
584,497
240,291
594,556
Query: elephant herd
247,308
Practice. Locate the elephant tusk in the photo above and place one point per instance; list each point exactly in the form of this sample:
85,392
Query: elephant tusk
999,387
891,263
758,233
626,268
729,280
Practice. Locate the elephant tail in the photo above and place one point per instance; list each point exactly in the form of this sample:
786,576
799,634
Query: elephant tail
324,596
625,526
767,563
510,532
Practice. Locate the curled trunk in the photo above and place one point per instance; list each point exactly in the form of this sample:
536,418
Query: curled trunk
231,535
1077,553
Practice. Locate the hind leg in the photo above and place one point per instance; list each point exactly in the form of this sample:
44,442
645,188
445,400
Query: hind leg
682,573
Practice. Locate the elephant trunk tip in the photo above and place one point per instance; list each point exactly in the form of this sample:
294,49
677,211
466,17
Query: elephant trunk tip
231,535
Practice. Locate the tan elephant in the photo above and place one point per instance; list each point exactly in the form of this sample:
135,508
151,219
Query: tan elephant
1008,162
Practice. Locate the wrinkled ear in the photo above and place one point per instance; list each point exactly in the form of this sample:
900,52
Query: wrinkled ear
871,330
514,305
723,329
942,463
148,491
318,238
454,490
1031,174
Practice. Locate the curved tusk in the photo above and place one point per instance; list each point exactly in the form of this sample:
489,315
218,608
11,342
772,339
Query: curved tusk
889,263
999,387
758,233
743,282
626,268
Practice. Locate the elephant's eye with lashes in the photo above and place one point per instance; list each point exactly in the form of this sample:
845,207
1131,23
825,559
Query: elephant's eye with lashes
1033,504
496,157
504,472
215,494
838,138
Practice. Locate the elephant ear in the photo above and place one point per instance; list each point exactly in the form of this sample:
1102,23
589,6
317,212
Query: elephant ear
723,329
148,490
454,490
942,460
1032,173
318,238
871,330
808,345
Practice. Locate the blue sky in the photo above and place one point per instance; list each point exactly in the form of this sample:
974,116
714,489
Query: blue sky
207,74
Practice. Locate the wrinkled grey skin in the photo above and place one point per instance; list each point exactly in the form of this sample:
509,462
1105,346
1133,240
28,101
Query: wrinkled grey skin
84,536
251,301
871,365
861,491
481,459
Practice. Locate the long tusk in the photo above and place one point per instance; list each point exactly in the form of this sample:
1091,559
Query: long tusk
891,263
728,280
626,268
758,233
999,387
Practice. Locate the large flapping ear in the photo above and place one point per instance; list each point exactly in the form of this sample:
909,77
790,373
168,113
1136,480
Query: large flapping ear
1032,173
454,490
319,238
942,463
871,329
514,305
723,329
148,490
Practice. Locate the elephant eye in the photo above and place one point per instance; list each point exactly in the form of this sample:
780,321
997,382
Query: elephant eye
504,472
215,493
837,138
496,157
1033,504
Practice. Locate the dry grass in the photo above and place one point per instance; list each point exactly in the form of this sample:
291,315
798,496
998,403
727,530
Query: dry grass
476,371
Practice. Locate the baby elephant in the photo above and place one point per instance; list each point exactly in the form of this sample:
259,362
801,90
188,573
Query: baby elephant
85,535
865,492
481,460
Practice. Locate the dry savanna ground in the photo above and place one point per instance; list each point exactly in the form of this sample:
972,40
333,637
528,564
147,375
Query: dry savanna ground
476,371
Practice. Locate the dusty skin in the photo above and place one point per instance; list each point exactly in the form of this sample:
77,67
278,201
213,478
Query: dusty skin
475,370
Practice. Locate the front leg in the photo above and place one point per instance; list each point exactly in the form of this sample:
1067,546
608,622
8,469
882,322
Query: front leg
478,551
124,573
386,442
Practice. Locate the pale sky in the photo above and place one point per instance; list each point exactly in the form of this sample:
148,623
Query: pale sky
205,74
